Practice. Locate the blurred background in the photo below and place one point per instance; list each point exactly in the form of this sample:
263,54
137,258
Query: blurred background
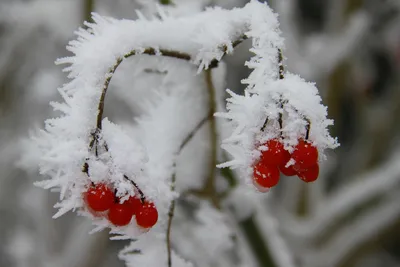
350,217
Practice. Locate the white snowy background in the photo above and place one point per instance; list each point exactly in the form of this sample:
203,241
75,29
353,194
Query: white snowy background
349,217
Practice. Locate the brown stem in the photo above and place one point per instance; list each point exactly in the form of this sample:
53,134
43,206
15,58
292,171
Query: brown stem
209,185
280,64
264,125
150,51
170,217
142,197
308,126
195,130
281,77
88,7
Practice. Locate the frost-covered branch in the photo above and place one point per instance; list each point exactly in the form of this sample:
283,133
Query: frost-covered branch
139,161
149,51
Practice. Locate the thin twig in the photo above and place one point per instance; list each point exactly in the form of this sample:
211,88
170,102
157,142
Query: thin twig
281,72
151,51
173,180
308,128
170,217
281,77
264,125
194,131
109,75
142,197
208,191
280,64
88,7
209,185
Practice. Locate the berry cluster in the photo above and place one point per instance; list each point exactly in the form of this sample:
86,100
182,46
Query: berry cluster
276,158
101,200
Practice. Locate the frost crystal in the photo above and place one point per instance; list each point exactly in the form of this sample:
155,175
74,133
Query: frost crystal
80,148
268,99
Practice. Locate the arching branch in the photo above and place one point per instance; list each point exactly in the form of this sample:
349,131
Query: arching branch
153,52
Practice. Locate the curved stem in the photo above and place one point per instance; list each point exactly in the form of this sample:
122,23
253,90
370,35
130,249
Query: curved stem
147,51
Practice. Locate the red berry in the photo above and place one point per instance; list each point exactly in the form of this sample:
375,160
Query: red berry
309,175
265,176
305,155
275,153
120,214
288,171
99,197
147,215
134,203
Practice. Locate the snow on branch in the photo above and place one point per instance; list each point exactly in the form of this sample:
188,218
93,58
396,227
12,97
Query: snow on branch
81,149
288,109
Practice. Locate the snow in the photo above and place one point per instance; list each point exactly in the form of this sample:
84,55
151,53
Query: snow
152,253
147,152
205,238
262,99
148,155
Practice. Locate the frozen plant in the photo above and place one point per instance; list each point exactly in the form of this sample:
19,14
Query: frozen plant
126,177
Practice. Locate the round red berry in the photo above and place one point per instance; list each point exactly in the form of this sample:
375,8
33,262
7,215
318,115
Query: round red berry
305,155
147,215
309,175
120,214
134,203
265,176
288,171
99,197
274,155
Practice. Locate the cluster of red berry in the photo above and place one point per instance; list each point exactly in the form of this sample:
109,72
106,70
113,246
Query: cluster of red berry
101,200
275,159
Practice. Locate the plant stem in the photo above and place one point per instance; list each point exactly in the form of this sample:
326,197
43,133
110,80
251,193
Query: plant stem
195,130
88,7
148,51
173,180
209,185
170,217
281,77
